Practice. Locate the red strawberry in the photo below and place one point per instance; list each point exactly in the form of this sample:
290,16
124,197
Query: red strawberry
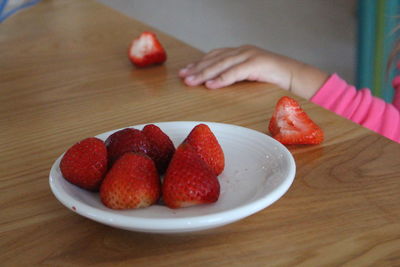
146,50
132,182
291,125
126,140
206,145
85,163
164,147
189,180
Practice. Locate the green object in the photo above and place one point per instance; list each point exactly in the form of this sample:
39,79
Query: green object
379,60
391,36
366,43
376,37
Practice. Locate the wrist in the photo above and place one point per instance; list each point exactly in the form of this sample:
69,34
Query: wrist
306,80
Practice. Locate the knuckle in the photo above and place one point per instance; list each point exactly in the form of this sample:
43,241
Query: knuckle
226,60
216,50
247,50
204,73
201,65
247,47
226,76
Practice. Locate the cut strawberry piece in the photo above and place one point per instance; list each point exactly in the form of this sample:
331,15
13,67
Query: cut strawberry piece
132,182
163,146
85,163
206,145
127,140
146,50
189,180
291,125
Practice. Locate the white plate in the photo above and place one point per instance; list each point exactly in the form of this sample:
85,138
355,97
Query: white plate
258,171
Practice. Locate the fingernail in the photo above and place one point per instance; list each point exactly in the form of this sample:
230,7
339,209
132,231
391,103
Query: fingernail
209,82
190,78
183,71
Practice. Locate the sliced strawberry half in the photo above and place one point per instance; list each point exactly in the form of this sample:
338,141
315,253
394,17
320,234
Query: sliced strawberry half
291,125
146,50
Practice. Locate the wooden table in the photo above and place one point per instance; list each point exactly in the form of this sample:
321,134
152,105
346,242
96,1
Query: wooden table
65,76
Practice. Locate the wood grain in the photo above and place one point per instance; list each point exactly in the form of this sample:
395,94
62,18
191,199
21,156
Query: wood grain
65,76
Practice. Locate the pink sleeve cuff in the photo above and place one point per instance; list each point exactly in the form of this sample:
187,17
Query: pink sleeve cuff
359,106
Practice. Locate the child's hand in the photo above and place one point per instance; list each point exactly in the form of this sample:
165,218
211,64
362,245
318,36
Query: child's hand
225,66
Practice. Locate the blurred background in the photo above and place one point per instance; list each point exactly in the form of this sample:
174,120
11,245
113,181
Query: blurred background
318,32
353,38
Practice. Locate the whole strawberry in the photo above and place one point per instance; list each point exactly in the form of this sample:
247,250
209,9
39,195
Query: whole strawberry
290,124
189,180
132,182
85,163
163,146
127,140
206,145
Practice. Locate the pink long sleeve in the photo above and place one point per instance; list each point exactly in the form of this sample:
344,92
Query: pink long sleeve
361,107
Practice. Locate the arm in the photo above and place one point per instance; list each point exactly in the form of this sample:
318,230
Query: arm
360,107
225,66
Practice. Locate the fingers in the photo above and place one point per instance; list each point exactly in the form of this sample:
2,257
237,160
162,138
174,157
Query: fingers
223,67
209,59
214,69
236,73
213,64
